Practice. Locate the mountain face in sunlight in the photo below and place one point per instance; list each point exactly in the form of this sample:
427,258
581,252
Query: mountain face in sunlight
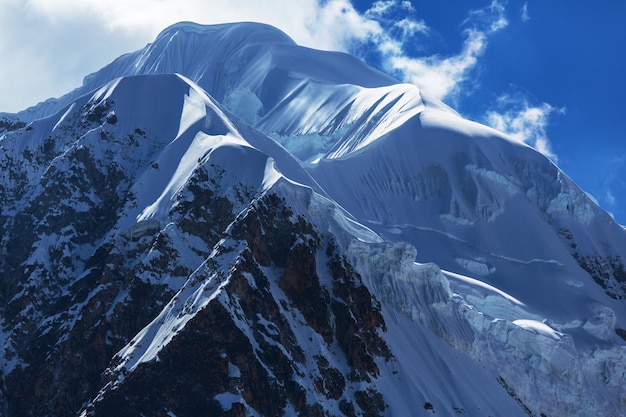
226,223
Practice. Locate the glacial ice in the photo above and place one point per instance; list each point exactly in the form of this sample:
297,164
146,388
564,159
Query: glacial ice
493,328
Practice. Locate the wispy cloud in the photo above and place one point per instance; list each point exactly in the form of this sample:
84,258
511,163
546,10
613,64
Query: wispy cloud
525,16
489,19
609,197
613,185
523,121
386,14
439,76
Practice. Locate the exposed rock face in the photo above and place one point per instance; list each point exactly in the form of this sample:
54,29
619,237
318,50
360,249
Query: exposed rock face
8,124
607,270
285,331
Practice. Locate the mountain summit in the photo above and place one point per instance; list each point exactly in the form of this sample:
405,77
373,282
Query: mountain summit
226,223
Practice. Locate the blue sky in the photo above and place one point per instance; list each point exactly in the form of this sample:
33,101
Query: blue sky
550,73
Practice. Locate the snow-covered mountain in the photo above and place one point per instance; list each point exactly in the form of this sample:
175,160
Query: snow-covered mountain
226,223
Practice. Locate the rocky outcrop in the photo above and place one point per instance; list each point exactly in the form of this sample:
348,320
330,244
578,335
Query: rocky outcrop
608,271
284,332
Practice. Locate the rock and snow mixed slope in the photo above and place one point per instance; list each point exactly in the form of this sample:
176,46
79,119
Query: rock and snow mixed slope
227,223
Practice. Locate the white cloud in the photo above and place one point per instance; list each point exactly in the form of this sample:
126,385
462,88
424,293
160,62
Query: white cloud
46,53
382,7
524,122
440,76
309,22
613,184
489,19
525,15
411,27
609,197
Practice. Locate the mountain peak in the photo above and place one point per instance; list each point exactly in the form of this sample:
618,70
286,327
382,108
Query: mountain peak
227,59
250,32
289,231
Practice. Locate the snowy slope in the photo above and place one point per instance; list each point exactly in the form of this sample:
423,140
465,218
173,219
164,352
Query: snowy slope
312,230
175,183
464,195
497,215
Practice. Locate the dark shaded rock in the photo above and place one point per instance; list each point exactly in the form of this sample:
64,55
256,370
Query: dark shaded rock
357,316
7,125
371,402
